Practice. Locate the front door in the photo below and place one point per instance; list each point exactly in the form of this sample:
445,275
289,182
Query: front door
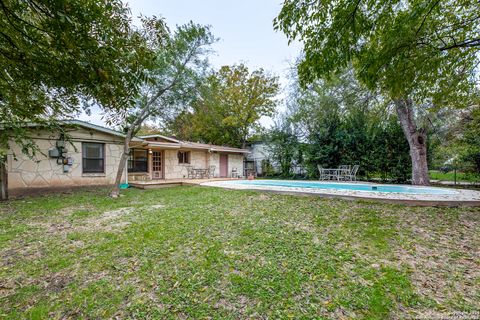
157,172
224,165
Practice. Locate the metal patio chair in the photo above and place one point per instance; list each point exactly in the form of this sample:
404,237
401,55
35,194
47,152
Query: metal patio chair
352,176
343,172
191,174
321,171
234,173
211,171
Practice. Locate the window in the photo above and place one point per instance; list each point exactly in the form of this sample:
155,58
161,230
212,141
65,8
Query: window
183,157
93,157
138,160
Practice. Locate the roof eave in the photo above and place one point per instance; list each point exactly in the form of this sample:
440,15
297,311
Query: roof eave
229,150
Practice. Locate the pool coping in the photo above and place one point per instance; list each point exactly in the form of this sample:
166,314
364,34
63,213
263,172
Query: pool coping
352,197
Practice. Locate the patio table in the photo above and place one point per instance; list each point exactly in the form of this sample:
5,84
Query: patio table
200,172
333,173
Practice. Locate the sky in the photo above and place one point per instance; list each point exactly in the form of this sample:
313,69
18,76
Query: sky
245,29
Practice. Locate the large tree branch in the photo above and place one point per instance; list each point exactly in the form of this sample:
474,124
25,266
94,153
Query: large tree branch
147,110
177,74
464,44
35,6
8,13
426,16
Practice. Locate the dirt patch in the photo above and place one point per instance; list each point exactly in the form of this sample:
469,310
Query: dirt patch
56,282
107,221
444,256
7,287
302,226
73,209
10,256
240,305
113,214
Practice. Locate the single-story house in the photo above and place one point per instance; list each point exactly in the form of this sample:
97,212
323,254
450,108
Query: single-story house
91,153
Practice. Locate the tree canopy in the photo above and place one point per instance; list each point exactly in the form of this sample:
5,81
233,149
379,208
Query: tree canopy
230,103
180,61
425,48
338,122
420,55
54,55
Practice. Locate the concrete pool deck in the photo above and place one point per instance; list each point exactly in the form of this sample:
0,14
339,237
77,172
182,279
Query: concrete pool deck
459,197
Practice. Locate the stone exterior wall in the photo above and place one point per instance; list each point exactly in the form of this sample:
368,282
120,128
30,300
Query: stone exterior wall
44,172
235,161
175,170
199,159
214,160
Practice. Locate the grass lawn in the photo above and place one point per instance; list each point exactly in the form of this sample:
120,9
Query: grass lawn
450,176
196,252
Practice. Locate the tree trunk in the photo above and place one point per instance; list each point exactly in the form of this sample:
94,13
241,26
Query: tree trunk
115,193
3,179
126,146
417,140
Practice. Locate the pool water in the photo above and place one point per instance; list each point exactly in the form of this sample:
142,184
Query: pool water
345,186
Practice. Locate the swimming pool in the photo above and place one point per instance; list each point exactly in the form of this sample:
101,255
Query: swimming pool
405,194
345,186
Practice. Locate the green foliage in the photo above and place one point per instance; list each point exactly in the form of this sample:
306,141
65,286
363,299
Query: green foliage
421,55
470,142
389,155
147,129
267,168
56,54
340,122
172,81
229,105
284,148
425,49
176,71
456,143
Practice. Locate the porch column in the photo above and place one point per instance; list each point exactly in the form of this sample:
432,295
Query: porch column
149,163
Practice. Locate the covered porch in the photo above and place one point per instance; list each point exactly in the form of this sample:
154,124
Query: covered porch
159,160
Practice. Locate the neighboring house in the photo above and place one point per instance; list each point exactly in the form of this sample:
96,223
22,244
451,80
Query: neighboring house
90,156
261,155
259,152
